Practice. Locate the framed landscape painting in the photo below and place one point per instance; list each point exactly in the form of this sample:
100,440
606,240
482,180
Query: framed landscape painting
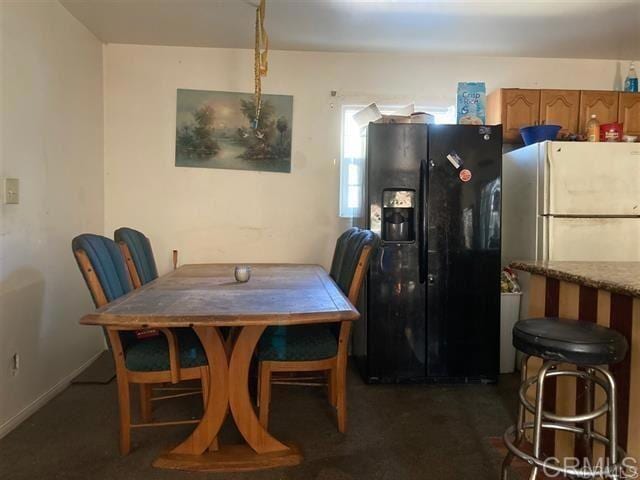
216,130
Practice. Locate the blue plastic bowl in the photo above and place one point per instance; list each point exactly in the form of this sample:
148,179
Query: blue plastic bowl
539,133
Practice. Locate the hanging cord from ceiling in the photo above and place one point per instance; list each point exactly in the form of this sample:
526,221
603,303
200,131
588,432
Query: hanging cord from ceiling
261,64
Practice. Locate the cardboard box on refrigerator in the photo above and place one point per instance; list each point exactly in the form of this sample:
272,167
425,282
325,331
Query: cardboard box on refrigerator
471,103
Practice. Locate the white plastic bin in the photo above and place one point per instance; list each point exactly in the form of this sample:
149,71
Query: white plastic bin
509,314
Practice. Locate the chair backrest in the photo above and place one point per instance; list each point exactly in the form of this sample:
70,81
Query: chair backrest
357,247
338,253
141,253
102,267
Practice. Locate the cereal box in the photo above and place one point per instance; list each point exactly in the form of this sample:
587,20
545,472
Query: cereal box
471,103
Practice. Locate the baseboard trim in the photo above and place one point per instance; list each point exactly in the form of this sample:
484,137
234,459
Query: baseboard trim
39,402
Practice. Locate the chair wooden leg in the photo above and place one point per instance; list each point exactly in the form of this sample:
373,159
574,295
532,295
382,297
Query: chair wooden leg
124,402
125,415
264,386
331,386
145,402
341,396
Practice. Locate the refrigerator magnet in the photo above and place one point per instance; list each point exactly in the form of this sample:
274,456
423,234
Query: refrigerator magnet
455,160
465,175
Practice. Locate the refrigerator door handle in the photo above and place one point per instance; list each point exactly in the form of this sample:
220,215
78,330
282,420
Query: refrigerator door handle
423,194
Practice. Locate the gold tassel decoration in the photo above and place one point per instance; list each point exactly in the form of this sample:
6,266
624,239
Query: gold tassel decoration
261,65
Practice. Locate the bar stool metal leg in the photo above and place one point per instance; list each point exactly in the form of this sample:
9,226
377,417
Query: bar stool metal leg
588,427
537,428
612,427
521,410
520,422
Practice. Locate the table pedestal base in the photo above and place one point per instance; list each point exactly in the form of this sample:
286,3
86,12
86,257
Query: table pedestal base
231,458
228,391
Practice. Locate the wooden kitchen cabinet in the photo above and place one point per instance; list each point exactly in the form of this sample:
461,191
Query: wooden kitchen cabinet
603,104
560,107
572,109
514,108
629,112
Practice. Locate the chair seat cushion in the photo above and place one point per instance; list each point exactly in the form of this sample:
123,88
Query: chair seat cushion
297,343
152,354
580,343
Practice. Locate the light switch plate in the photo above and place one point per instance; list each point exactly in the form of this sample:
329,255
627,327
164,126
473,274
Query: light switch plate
11,190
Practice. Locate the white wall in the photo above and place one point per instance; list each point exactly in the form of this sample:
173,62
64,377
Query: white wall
225,215
52,140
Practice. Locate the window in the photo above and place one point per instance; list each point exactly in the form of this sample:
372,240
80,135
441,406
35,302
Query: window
352,155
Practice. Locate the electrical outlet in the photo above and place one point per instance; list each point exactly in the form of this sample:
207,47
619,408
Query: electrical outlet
15,364
10,190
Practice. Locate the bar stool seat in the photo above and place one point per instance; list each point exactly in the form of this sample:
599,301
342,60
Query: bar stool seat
570,341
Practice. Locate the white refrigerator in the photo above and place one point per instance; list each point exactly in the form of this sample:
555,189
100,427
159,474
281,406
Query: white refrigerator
567,201
571,201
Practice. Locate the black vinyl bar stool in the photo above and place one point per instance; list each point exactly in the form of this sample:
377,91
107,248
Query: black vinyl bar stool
590,347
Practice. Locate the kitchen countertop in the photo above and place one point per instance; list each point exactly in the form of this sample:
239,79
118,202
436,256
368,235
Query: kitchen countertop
617,277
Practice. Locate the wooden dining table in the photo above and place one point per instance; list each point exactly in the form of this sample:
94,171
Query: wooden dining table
206,297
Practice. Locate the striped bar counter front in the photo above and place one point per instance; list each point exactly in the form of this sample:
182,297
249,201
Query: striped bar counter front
607,293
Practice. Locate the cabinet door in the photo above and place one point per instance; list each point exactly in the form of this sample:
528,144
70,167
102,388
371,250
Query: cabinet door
560,107
601,103
520,108
629,112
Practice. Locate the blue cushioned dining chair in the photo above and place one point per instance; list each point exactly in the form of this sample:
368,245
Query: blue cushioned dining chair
320,347
138,255
339,251
171,357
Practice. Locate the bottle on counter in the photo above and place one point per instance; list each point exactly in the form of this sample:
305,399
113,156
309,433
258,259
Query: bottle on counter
631,82
593,129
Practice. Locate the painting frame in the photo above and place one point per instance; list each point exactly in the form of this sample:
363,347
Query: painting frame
217,129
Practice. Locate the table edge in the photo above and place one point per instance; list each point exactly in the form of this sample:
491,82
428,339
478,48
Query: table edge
157,321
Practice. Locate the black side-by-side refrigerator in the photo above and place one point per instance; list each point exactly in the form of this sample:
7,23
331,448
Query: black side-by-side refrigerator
431,302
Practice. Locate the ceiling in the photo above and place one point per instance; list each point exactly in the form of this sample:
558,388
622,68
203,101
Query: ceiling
529,28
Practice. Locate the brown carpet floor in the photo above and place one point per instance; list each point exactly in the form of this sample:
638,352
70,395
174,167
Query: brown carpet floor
402,432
